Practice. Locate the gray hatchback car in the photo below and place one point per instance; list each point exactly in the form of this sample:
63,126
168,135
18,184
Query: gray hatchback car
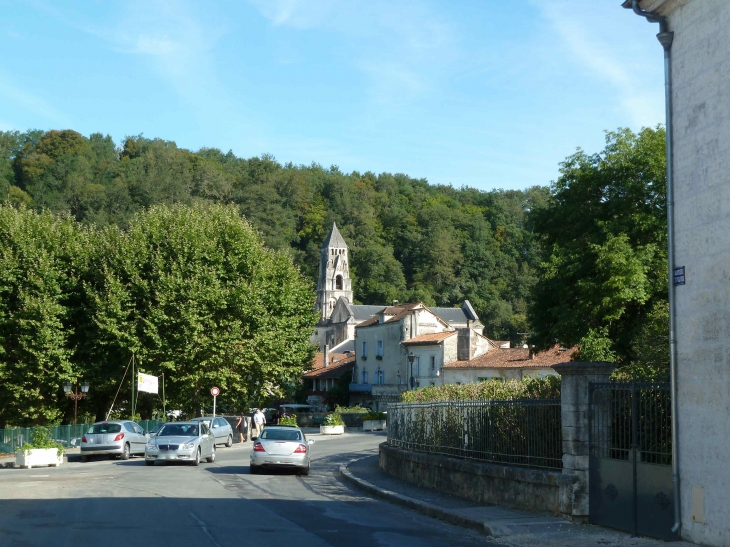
219,428
116,438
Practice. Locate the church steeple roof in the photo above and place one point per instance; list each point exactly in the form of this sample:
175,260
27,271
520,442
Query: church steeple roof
334,239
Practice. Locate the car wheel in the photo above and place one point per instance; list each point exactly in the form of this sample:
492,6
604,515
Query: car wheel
254,470
211,459
229,442
304,471
125,454
84,459
149,462
196,461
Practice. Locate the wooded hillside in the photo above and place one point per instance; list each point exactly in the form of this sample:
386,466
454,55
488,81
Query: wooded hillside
409,240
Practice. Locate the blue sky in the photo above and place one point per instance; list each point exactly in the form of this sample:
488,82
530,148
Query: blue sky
482,93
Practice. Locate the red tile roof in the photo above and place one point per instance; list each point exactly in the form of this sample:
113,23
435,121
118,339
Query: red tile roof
435,338
318,361
516,358
335,370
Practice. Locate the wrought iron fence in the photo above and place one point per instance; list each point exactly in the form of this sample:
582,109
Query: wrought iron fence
68,435
522,432
632,416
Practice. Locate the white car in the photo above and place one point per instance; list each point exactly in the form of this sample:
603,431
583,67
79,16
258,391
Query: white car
283,447
181,441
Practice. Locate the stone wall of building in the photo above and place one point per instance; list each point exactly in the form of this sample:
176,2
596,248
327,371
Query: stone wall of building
701,115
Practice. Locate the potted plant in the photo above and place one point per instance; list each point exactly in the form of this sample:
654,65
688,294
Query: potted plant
332,425
375,421
290,420
42,450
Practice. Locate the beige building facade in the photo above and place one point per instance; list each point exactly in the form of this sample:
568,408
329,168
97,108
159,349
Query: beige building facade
700,118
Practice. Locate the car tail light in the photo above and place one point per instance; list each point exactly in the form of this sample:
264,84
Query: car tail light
258,447
301,449
83,439
119,437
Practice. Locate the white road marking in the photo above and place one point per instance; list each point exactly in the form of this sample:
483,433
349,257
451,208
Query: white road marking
204,527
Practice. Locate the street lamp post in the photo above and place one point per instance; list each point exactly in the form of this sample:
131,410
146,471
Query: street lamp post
74,395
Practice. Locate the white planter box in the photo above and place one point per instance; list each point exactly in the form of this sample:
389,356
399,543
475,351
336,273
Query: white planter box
332,429
38,456
373,425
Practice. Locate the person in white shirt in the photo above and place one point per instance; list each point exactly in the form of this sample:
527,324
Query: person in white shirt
259,421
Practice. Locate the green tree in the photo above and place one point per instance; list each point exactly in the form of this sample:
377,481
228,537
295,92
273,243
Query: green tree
604,236
193,293
39,257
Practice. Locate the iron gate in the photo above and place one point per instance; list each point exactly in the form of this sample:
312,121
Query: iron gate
631,458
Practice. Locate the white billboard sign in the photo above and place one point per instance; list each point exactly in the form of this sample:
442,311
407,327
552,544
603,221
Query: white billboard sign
146,382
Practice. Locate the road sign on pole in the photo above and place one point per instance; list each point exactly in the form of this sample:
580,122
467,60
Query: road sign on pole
214,391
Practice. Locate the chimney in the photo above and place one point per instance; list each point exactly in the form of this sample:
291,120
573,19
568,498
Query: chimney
465,344
326,355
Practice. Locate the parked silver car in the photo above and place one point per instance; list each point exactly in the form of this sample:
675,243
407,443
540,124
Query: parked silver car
283,447
119,438
219,427
181,441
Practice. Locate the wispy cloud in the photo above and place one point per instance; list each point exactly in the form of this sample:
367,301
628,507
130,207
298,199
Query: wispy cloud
169,36
25,99
596,54
399,45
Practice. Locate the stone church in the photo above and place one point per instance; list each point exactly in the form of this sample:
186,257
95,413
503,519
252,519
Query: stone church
338,316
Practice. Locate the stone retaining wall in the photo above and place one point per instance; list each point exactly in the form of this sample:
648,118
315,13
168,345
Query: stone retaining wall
531,489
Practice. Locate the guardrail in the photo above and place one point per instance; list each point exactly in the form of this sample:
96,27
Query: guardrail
520,432
68,435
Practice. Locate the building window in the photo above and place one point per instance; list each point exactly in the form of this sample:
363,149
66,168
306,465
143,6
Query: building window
338,283
433,364
364,376
364,352
398,379
379,348
379,377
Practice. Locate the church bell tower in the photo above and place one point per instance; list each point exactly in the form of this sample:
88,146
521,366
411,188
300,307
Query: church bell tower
334,274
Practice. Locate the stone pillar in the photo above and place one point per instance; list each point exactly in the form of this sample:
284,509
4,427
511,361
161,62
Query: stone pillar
576,377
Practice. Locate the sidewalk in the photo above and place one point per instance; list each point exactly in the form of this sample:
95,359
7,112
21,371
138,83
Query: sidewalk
507,526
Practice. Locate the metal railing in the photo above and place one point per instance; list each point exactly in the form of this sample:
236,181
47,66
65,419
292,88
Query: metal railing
521,432
68,435
632,421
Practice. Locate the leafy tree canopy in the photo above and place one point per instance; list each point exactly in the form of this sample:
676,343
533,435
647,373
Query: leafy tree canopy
603,277
409,240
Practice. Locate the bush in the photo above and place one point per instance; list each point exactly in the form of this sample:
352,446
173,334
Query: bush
375,416
41,438
530,388
333,419
351,409
290,420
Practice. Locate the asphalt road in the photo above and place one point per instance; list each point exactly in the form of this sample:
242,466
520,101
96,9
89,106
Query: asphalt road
116,503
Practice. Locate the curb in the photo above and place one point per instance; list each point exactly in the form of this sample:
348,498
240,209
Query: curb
423,507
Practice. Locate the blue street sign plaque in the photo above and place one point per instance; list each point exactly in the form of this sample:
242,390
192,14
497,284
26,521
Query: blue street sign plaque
679,275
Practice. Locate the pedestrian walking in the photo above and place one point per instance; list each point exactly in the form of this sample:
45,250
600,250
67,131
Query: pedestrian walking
259,420
242,426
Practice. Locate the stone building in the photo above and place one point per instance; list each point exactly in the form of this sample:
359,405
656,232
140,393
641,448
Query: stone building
405,347
700,120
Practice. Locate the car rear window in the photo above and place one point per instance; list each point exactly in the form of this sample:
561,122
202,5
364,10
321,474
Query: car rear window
281,435
105,428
